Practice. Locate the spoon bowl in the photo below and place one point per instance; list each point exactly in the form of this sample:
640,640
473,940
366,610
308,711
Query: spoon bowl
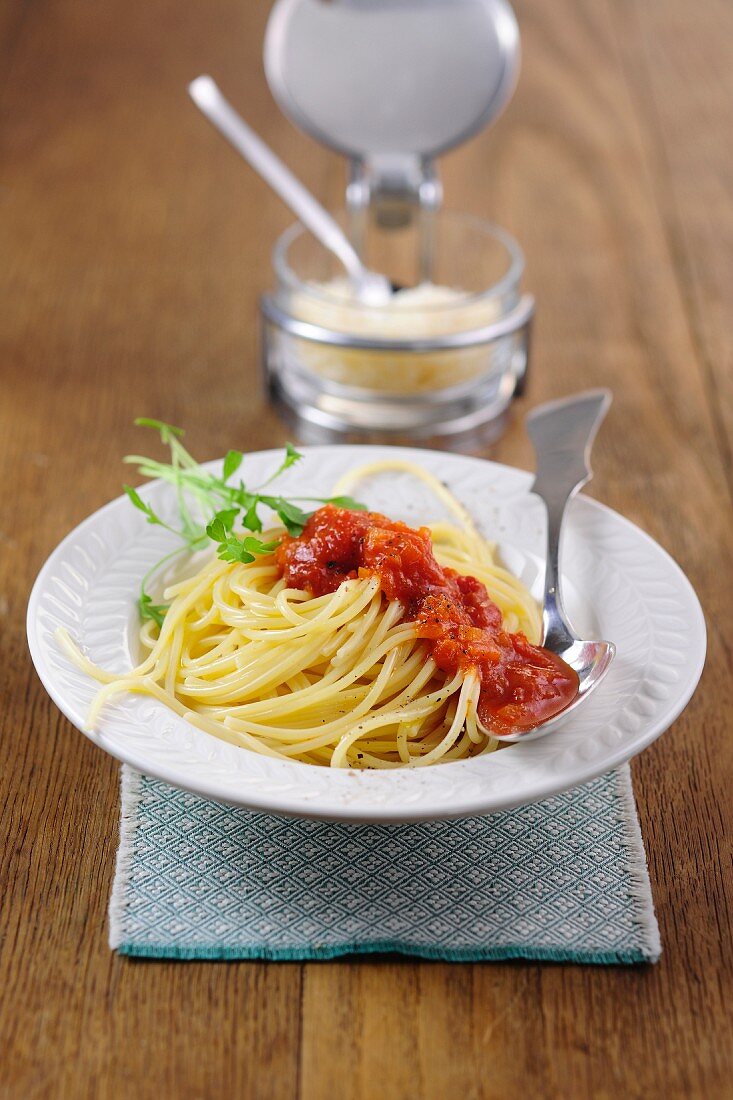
591,661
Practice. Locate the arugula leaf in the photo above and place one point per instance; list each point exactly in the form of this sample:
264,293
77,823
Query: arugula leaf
293,517
150,610
222,523
232,548
143,506
340,502
248,503
232,462
251,520
257,546
291,457
167,431
346,502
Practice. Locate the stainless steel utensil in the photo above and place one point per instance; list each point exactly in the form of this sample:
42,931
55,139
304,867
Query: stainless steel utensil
562,433
370,287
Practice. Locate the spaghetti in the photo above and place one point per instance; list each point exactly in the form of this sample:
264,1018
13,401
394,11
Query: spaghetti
359,643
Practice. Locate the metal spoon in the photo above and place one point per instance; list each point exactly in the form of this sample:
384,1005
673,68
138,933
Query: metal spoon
562,433
371,288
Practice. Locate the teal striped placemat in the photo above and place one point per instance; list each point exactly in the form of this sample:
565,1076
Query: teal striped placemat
563,880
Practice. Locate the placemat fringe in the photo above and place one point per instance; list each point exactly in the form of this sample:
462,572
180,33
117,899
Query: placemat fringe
639,885
130,794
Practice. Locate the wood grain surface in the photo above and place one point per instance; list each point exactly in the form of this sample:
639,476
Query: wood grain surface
134,247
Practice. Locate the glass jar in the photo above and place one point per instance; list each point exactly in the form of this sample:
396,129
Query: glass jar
440,358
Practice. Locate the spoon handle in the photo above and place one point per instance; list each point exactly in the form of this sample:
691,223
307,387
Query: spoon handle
562,433
207,97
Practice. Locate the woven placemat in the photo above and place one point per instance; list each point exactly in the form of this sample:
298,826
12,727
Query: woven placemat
563,880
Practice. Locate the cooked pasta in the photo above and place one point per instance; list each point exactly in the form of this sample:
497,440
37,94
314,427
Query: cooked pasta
347,677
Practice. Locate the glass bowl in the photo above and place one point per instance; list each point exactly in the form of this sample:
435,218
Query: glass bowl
441,357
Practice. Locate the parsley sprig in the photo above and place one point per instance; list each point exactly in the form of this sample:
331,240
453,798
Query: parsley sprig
213,509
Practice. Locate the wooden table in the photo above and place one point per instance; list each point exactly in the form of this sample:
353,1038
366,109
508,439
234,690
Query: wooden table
134,248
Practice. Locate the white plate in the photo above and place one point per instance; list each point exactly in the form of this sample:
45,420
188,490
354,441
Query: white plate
632,593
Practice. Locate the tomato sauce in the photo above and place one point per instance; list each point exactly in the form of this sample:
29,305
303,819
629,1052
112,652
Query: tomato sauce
521,684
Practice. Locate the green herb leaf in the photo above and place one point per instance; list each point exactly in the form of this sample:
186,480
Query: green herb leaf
167,431
149,610
222,523
244,550
257,546
251,520
143,506
232,549
232,462
291,457
347,502
293,517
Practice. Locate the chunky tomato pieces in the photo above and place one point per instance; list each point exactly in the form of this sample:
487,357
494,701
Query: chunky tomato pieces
521,684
